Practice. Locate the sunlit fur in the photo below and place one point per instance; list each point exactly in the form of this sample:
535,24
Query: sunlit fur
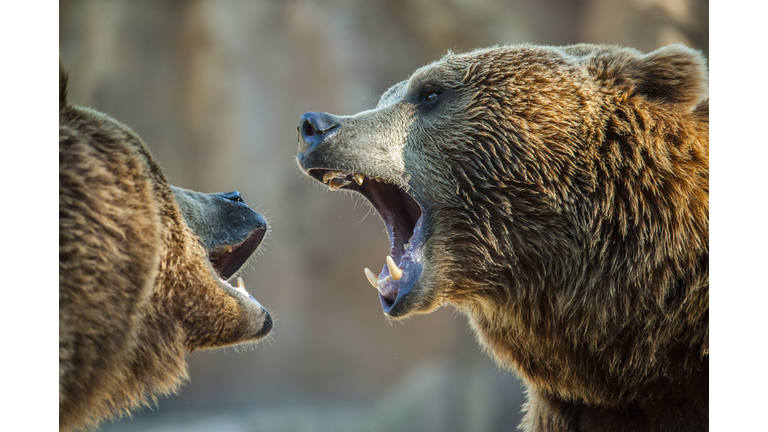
579,246
566,191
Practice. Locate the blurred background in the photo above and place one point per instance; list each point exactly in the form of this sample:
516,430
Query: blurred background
216,88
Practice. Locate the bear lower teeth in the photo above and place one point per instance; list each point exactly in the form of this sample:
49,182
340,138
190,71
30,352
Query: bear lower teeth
394,271
371,276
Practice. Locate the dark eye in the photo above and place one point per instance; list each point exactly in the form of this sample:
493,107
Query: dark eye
432,96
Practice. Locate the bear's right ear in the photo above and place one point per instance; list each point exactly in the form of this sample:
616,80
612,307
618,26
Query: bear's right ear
62,87
675,74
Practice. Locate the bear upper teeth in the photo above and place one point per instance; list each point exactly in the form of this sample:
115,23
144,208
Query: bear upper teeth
336,179
329,175
335,184
219,254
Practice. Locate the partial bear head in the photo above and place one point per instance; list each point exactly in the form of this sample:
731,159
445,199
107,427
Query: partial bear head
146,270
503,166
230,233
228,229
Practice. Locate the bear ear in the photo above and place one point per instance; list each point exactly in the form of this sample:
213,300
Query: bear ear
675,74
62,87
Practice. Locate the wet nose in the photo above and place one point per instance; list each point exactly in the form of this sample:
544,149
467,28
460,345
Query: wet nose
250,218
314,128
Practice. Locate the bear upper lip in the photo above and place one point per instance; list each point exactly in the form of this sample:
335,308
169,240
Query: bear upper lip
403,217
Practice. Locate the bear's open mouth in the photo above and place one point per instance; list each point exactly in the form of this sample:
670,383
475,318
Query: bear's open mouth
403,217
227,260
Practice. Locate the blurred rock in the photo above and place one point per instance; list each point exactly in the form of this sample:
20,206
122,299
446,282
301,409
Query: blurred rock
216,90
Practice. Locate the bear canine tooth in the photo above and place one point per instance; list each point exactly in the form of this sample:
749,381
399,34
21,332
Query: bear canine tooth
372,278
359,178
240,283
394,271
335,185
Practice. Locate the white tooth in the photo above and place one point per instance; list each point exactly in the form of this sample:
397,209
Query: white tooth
378,179
240,283
359,178
394,271
371,278
334,185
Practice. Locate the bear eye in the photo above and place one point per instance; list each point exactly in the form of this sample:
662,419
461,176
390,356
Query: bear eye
432,96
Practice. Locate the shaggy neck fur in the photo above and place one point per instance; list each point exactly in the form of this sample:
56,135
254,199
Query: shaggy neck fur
589,246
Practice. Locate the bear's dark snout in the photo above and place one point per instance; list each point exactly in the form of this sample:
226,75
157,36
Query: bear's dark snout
314,128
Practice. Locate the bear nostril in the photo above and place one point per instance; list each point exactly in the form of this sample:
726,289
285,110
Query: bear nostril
308,130
313,127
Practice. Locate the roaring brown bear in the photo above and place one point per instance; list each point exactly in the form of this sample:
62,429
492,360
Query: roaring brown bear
143,270
559,197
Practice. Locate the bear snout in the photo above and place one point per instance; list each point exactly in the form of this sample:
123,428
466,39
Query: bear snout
314,128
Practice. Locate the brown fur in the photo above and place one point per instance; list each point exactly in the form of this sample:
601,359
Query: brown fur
136,289
565,193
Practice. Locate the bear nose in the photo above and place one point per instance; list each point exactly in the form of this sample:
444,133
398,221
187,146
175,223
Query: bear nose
314,128
233,196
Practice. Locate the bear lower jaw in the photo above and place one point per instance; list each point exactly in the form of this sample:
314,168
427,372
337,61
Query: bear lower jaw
395,283
240,288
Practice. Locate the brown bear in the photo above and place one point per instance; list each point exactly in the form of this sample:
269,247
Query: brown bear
557,196
143,271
